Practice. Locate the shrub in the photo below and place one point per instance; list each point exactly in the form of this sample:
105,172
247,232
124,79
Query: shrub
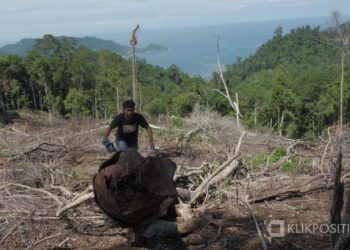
184,104
77,103
277,154
158,106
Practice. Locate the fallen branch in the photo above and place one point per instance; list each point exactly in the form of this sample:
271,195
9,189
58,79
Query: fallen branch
155,127
63,242
42,240
291,191
13,228
75,203
33,189
262,239
200,190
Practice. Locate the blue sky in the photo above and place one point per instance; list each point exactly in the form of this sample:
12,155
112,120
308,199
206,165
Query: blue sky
34,18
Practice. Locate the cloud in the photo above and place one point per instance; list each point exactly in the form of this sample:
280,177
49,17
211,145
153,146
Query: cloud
37,17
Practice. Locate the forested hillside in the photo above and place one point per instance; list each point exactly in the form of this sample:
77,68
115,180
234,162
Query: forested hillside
96,44
77,81
291,83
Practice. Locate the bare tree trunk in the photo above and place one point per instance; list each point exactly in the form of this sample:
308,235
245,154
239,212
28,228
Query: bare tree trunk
40,101
234,105
133,42
237,113
96,111
2,103
255,115
81,82
344,51
341,109
118,109
33,94
281,123
105,111
48,102
140,95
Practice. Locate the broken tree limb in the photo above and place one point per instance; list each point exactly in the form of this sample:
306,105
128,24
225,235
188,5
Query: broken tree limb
200,190
42,240
33,189
291,191
325,150
261,236
155,127
75,203
13,228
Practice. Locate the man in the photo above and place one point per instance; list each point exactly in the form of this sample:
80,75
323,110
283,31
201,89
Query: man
128,124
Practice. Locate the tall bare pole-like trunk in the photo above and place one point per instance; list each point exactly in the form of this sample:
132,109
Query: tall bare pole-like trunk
33,94
255,115
140,106
118,109
341,111
48,103
2,104
281,123
133,42
344,51
237,113
96,110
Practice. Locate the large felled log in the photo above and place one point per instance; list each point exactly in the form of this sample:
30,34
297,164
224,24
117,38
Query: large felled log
313,185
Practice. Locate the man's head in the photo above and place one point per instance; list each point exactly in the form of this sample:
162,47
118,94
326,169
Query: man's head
129,109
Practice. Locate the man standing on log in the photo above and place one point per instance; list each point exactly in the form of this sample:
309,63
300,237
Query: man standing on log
127,123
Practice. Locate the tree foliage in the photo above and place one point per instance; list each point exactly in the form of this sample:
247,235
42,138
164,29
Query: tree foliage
290,83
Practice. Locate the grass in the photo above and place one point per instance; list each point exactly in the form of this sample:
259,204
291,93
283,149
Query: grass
277,154
262,158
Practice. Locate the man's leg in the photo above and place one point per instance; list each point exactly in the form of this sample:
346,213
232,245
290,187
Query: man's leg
121,145
134,146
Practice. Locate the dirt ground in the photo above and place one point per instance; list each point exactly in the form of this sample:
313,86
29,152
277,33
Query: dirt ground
68,153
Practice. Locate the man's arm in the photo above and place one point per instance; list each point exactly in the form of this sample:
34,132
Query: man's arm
111,126
107,132
150,137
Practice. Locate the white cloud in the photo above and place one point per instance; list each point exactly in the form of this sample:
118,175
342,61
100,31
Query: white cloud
37,17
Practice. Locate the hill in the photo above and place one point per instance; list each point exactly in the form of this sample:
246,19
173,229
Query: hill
292,82
93,43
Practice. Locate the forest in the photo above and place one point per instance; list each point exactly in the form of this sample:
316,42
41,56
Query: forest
291,83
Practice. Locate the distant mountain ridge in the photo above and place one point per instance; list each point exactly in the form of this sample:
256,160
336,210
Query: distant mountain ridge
26,44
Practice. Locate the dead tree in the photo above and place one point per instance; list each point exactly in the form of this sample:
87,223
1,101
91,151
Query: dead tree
234,105
344,48
133,42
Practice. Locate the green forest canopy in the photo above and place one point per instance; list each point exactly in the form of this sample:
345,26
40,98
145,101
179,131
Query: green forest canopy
295,76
